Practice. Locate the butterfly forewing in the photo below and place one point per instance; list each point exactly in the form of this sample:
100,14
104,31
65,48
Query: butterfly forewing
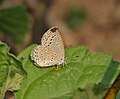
52,38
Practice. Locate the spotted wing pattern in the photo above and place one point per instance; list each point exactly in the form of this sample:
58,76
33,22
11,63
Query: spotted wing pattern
51,50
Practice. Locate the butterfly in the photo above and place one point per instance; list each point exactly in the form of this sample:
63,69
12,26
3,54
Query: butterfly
51,51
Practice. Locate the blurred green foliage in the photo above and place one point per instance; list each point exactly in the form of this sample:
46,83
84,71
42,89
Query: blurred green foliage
11,71
75,18
14,22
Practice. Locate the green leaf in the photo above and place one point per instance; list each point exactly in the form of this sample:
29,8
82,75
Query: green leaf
82,69
90,93
118,95
11,71
14,22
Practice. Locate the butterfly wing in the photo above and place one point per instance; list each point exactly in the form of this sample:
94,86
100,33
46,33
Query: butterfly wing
52,38
43,56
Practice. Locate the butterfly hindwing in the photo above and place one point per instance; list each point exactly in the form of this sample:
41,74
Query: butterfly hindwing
42,57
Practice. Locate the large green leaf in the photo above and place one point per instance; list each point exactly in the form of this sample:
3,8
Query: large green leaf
82,69
14,22
11,71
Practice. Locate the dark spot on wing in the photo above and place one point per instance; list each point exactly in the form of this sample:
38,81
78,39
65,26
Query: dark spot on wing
53,30
50,42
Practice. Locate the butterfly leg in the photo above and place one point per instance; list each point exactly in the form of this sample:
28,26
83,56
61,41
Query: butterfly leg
65,62
57,68
36,64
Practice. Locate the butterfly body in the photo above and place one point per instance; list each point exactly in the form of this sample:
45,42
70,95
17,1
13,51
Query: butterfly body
51,50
